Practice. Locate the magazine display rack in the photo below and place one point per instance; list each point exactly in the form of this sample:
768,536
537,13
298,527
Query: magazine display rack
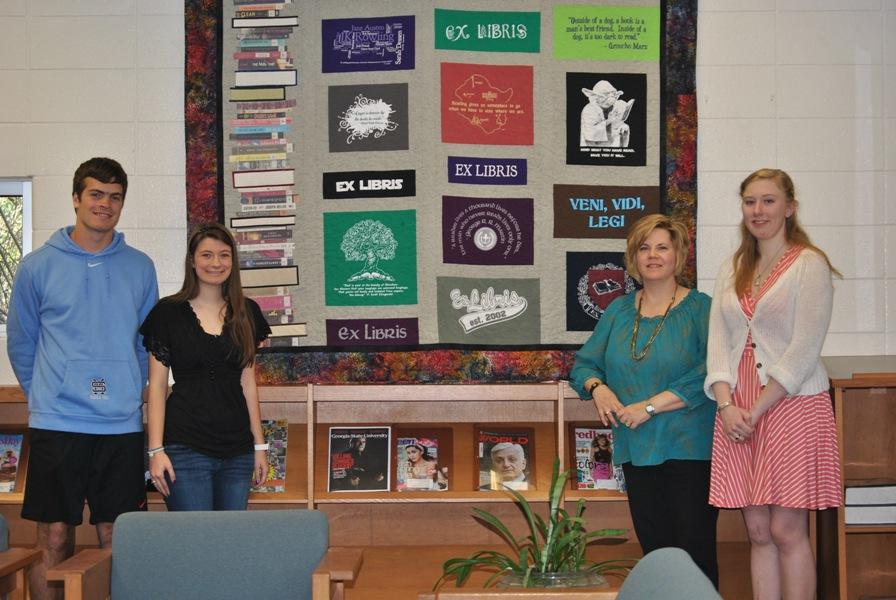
457,408
14,419
860,558
281,402
289,403
396,525
404,527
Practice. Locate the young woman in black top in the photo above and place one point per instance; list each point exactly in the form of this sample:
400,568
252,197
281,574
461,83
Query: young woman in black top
205,441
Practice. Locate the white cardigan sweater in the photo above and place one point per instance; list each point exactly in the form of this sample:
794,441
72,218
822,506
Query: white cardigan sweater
788,326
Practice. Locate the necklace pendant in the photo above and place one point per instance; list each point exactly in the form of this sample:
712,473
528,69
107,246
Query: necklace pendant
639,356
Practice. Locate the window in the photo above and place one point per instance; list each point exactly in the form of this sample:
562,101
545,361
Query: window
15,235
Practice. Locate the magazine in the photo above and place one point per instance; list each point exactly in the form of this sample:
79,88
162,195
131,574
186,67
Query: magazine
359,459
505,459
275,433
418,467
10,455
594,460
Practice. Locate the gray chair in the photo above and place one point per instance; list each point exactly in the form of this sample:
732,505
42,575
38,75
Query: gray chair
210,555
670,574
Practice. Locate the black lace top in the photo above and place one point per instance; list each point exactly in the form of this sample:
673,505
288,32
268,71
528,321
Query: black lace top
206,410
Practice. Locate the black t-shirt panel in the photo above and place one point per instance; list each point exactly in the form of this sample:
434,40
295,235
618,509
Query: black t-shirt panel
206,409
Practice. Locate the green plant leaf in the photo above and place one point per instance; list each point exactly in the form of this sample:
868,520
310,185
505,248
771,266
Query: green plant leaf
617,566
494,578
483,560
553,544
524,559
533,536
607,533
501,528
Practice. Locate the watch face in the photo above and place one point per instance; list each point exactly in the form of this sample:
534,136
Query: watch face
650,409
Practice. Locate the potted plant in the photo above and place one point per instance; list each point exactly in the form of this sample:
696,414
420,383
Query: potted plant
552,554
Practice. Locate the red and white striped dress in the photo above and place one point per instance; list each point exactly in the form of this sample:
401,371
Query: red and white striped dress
792,458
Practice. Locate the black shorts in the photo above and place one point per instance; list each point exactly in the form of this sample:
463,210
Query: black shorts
65,468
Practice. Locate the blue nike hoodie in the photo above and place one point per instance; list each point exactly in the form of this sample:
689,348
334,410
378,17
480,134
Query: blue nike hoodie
72,334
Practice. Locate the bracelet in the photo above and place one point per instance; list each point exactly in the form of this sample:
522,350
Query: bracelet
262,446
153,451
723,406
594,386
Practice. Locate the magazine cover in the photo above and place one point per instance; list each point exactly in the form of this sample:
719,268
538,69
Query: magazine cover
505,459
594,460
10,454
275,434
418,467
359,459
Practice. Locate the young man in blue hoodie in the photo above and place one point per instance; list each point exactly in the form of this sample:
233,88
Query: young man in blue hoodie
77,302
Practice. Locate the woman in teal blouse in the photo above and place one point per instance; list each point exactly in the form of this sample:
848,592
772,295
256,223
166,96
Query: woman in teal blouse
643,367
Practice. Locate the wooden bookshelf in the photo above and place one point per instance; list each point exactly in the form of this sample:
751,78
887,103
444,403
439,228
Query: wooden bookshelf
861,558
412,522
416,518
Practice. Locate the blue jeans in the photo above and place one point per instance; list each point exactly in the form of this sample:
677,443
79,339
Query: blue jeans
206,483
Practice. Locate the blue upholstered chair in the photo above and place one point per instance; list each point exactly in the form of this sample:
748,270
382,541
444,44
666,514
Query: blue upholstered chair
667,573
266,554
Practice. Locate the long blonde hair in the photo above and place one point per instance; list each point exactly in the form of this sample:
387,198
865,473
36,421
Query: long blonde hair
747,255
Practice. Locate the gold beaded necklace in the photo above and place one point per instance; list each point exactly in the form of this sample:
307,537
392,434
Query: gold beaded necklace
640,355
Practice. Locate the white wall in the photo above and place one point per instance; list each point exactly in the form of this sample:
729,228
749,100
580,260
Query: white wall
83,78
808,86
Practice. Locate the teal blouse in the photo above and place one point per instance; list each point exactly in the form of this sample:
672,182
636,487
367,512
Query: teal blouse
676,362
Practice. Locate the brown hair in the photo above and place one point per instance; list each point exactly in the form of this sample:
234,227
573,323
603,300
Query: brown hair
236,318
104,170
746,256
642,228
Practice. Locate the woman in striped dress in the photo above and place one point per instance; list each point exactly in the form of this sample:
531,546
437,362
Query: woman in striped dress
775,450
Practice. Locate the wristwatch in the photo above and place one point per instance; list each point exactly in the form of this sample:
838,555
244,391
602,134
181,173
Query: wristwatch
597,383
650,408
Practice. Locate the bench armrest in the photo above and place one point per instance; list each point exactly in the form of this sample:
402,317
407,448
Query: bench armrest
339,565
14,562
85,575
18,558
